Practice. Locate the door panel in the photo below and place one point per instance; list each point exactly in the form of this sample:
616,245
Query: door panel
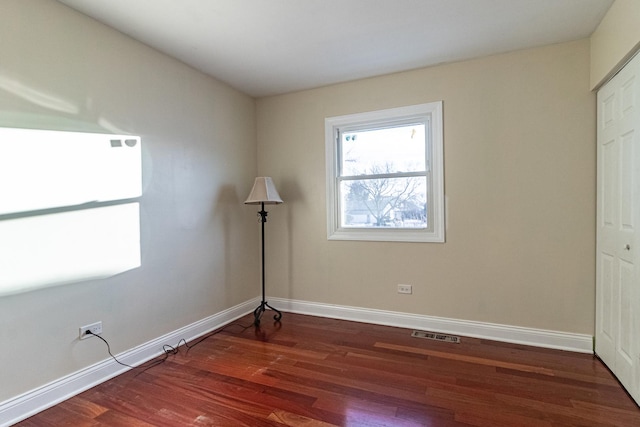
617,278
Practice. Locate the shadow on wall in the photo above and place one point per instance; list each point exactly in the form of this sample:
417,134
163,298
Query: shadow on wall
292,193
225,208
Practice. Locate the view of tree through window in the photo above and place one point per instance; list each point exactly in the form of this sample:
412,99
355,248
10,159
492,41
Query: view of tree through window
383,177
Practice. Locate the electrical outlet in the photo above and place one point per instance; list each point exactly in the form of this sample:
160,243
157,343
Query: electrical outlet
405,289
94,328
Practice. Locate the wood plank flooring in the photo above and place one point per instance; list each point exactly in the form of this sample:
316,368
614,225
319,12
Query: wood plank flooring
310,371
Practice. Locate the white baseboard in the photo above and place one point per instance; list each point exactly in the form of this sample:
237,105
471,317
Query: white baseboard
34,401
580,343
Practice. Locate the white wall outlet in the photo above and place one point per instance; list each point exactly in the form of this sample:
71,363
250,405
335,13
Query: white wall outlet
94,328
405,289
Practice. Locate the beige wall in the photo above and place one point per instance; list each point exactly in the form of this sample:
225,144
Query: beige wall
199,160
519,178
616,38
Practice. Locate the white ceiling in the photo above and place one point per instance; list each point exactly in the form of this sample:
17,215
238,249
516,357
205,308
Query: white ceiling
266,47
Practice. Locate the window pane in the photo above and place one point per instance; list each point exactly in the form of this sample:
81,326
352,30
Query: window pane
388,202
385,179
386,150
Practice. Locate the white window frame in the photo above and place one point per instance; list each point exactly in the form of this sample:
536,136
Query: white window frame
430,112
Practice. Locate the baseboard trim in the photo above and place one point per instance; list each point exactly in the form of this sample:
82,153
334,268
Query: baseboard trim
34,401
580,343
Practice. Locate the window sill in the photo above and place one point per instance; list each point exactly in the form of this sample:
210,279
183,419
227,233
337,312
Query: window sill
390,235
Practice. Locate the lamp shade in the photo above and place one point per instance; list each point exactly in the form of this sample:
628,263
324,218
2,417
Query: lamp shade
263,191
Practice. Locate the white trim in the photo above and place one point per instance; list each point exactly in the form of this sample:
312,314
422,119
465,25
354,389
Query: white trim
23,406
436,233
579,343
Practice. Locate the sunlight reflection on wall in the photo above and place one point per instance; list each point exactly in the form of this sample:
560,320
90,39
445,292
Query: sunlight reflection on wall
66,207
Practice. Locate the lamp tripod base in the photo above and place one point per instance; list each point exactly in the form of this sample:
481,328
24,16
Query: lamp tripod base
257,313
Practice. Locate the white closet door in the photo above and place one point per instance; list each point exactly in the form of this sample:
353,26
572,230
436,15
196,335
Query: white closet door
618,250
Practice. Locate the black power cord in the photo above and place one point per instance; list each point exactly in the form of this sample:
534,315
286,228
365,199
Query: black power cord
166,348
88,332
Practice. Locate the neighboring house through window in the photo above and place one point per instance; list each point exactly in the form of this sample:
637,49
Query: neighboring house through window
385,175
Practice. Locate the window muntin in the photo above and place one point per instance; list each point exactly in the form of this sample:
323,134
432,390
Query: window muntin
384,175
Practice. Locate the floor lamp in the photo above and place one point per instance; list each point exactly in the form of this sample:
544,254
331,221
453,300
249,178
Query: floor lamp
263,193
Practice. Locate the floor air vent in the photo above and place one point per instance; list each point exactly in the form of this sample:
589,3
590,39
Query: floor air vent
436,337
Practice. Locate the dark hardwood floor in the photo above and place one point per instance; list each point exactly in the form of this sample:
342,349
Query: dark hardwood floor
312,371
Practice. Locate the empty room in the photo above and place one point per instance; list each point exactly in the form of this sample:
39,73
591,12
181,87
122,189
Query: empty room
319,212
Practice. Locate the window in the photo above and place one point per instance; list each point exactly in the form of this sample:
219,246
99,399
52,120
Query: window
385,175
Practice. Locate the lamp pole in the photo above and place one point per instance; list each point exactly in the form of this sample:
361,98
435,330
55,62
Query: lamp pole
257,313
